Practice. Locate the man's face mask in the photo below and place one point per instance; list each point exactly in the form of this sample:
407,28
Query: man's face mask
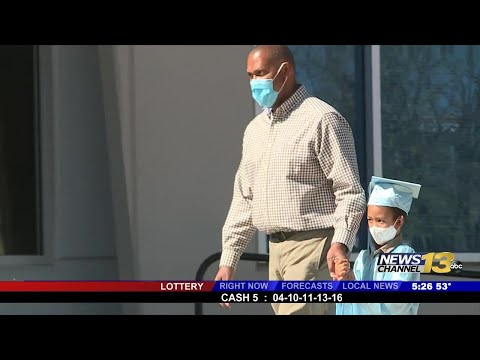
262,90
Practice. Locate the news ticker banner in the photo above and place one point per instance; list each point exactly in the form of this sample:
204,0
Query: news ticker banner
240,291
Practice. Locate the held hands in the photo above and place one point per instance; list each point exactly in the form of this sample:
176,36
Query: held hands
342,268
225,273
337,254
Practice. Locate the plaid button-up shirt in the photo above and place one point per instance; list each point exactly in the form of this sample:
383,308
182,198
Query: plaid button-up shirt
298,172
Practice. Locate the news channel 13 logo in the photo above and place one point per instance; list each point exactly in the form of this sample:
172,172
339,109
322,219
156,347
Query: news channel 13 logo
436,262
442,262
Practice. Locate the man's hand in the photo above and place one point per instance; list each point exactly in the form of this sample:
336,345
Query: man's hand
225,273
336,251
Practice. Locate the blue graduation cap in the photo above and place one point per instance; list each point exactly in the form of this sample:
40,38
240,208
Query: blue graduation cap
393,193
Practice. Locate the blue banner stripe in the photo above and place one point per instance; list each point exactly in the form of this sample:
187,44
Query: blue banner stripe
343,286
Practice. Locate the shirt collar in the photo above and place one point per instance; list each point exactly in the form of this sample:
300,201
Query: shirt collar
389,246
285,109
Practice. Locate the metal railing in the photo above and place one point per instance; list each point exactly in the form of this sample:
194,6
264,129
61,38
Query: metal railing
215,257
264,258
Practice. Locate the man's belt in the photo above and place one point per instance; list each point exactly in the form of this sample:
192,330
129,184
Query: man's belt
282,235
300,235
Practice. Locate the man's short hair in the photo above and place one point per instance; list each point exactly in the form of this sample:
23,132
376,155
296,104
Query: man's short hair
277,53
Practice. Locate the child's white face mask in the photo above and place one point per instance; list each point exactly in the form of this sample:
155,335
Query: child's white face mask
383,235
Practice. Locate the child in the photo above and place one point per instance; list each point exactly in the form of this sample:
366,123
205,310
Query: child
387,209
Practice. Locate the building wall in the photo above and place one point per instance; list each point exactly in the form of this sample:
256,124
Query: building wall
182,110
78,220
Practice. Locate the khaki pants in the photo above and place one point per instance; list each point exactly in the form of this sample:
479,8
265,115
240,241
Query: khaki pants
302,256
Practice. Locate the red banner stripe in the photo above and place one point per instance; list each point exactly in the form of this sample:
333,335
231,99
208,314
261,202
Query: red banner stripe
107,286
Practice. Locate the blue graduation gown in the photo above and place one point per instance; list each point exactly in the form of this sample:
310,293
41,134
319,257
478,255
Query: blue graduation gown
365,268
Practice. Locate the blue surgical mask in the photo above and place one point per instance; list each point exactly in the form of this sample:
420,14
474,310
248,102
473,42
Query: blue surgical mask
262,90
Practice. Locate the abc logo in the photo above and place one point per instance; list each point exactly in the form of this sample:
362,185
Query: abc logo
456,266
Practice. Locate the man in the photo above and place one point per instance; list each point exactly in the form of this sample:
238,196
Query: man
297,181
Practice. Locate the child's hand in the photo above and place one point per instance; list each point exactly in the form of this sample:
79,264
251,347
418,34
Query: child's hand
342,268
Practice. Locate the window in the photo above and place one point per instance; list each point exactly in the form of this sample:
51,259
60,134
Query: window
335,74
19,155
328,72
428,126
430,110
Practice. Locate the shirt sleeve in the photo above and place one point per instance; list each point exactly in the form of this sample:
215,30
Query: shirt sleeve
337,156
238,229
